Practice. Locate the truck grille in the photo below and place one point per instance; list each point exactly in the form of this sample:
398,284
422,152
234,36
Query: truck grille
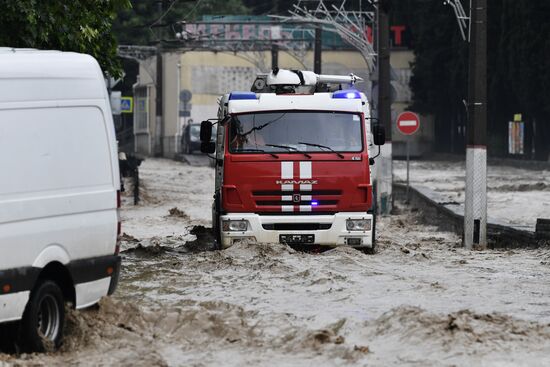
290,202
296,226
324,199
313,193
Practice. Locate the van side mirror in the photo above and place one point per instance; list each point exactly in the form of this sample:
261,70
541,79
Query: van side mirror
379,134
208,147
206,131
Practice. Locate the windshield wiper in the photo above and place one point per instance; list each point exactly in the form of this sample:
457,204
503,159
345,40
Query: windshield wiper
257,150
288,148
258,128
323,147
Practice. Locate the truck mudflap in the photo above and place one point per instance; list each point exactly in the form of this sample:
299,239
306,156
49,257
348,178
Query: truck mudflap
323,230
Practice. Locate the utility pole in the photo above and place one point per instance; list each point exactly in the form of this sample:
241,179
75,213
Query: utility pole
318,49
475,205
179,126
159,86
385,171
473,29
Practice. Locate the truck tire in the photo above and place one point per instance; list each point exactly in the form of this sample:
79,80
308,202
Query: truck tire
372,250
44,318
216,225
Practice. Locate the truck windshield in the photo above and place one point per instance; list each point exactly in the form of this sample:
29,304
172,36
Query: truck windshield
296,131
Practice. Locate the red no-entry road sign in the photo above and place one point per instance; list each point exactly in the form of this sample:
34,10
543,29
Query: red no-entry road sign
408,122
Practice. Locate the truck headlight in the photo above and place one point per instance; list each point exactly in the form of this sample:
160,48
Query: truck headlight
234,225
358,224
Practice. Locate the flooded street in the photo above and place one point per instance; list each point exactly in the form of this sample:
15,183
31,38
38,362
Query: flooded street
515,196
420,300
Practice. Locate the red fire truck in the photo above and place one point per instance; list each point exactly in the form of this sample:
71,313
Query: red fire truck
292,162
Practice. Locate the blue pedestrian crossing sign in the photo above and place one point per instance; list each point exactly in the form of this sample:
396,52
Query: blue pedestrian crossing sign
127,104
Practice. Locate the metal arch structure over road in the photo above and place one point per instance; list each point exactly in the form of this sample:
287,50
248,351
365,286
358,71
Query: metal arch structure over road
351,25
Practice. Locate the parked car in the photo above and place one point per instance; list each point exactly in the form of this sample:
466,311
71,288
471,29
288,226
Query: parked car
59,192
190,138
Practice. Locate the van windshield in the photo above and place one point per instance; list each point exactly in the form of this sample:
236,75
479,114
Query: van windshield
295,131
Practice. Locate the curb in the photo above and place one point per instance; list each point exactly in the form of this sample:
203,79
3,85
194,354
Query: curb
450,216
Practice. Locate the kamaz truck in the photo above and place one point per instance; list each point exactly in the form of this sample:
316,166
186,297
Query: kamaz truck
292,162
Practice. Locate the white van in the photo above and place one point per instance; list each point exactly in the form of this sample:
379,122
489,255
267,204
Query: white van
59,191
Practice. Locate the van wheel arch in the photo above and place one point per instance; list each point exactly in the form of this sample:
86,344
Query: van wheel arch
59,274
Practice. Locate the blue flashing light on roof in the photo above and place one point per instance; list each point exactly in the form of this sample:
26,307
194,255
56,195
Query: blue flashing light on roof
241,95
347,94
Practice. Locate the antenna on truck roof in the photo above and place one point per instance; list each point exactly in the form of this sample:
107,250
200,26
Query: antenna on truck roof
288,81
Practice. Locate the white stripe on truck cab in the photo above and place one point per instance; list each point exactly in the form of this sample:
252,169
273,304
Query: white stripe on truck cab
287,170
287,173
305,174
305,170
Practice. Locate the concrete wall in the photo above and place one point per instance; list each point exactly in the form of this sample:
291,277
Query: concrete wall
144,105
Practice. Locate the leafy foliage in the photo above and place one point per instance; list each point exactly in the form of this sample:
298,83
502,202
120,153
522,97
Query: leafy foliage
76,25
149,20
265,7
518,69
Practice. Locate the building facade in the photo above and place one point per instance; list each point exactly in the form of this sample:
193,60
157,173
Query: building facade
193,81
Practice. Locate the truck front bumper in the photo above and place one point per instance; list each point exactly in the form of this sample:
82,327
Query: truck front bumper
270,228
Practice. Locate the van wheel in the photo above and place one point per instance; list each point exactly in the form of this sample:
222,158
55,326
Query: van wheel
44,317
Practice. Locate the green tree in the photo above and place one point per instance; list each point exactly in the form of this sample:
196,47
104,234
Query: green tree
518,70
439,80
147,20
524,69
76,25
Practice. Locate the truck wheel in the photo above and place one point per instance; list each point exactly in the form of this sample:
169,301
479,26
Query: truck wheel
44,318
217,234
372,250
216,225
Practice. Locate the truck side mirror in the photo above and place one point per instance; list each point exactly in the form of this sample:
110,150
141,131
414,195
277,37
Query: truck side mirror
379,134
208,147
206,131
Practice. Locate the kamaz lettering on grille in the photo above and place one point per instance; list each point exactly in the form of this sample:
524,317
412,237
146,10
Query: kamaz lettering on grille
296,182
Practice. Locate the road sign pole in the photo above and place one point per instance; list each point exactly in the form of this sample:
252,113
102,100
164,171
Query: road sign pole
408,159
408,123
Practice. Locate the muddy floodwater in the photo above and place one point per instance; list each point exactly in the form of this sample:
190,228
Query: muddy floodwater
421,300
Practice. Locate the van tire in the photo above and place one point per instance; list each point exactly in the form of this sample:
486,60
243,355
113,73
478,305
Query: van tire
45,311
